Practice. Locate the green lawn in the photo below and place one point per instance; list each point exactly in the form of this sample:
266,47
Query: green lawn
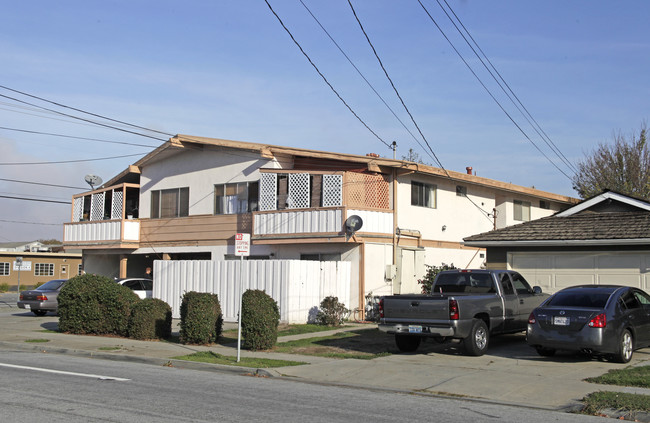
214,358
364,344
599,402
631,376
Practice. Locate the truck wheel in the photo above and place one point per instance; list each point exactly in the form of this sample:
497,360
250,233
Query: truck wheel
407,343
477,342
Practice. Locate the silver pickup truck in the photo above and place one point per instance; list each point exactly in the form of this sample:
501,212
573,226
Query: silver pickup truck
468,305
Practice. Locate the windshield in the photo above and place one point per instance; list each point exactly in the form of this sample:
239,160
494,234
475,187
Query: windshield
479,283
579,299
51,285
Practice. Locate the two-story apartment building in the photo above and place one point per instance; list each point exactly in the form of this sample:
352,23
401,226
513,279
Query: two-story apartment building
188,198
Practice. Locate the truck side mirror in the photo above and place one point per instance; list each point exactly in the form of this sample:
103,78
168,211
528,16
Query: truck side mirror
537,290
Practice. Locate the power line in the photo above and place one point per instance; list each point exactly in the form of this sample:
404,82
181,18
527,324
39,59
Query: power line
31,223
509,93
35,199
74,137
82,119
71,161
85,112
323,76
489,92
40,183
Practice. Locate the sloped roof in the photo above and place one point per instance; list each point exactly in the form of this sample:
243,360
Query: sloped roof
373,163
607,219
592,228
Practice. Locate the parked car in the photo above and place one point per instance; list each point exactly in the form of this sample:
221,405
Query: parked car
42,299
141,286
606,320
467,305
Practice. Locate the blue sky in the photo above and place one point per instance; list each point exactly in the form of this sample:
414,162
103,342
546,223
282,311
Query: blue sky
227,69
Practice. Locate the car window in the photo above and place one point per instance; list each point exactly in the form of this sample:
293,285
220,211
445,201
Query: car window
506,284
51,285
579,299
642,298
520,284
134,284
631,302
147,284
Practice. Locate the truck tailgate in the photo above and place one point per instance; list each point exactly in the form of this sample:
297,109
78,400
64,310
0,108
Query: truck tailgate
416,308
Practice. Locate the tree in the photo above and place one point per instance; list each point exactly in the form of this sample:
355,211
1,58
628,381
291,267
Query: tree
413,156
622,167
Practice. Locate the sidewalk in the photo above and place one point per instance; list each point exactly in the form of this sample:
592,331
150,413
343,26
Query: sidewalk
510,373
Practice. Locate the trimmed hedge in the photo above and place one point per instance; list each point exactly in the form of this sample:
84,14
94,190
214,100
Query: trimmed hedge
331,312
201,318
259,320
150,318
94,304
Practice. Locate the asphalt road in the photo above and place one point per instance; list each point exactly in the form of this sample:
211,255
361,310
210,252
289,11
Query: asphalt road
98,390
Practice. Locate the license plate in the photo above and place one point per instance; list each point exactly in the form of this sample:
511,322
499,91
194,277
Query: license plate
561,321
415,329
27,307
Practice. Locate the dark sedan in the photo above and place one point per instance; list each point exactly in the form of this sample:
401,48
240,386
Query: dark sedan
42,299
606,320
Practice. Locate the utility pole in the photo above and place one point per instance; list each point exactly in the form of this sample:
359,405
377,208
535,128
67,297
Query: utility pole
394,146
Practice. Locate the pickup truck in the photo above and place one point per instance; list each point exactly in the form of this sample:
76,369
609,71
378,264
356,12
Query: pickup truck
466,305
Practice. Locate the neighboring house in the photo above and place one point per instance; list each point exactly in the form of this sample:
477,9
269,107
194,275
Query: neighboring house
602,240
188,198
37,267
33,246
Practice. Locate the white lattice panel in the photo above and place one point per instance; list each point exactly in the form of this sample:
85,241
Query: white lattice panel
298,191
118,200
268,191
97,206
332,190
78,209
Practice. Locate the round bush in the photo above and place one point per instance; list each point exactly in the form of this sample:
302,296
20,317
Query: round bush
201,318
95,304
150,318
332,312
259,320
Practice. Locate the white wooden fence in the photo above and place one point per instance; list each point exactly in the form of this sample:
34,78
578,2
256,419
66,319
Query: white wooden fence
298,286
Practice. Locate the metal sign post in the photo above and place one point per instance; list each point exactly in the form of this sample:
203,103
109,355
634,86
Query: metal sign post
242,248
19,264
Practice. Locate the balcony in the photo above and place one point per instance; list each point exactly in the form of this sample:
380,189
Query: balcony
316,204
104,218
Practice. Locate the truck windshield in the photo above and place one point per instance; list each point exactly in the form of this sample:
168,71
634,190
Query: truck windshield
478,283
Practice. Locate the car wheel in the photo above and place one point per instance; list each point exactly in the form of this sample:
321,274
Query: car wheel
477,342
407,343
545,352
625,347
39,312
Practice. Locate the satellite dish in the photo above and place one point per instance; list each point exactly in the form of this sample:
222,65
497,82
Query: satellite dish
352,224
93,180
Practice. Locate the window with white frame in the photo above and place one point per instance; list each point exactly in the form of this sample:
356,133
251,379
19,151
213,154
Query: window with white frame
4,269
235,198
521,210
44,269
170,203
423,195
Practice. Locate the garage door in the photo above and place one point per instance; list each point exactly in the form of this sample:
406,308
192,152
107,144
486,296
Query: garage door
556,271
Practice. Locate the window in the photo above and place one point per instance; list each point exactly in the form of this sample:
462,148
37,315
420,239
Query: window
544,205
461,191
522,210
170,203
236,198
44,269
321,257
4,269
80,269
520,284
506,284
423,195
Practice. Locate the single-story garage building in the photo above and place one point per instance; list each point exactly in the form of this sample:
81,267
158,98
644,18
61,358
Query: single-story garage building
602,240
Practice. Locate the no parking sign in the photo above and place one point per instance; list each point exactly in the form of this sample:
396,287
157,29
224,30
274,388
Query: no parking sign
243,244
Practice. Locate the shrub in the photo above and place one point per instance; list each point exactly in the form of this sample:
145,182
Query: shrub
430,276
331,312
259,320
150,318
95,304
4,287
201,319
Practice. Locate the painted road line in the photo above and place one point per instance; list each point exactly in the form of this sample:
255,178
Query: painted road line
61,372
